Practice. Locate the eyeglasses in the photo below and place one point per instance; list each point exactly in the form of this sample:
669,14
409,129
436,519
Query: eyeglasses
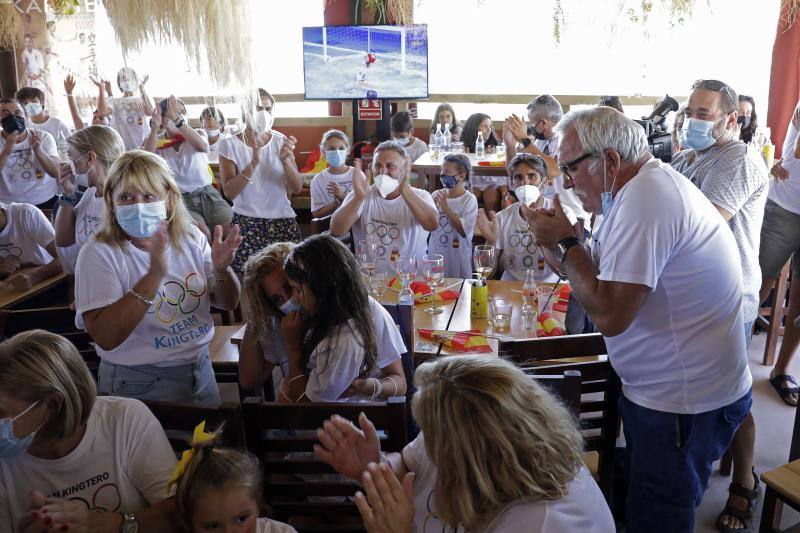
718,86
568,168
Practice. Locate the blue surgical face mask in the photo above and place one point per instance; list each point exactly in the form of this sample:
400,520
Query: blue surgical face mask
448,182
336,158
141,221
33,108
698,134
606,199
290,306
11,445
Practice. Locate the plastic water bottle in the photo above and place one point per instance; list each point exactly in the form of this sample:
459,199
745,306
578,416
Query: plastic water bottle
439,137
480,147
448,138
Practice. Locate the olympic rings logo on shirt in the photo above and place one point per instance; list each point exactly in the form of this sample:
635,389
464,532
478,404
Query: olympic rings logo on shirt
175,297
10,250
386,235
523,243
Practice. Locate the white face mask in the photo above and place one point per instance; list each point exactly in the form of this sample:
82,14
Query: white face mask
527,194
81,178
402,142
263,121
212,133
549,191
385,184
128,86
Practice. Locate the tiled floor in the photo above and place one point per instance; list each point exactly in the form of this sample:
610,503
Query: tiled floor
774,422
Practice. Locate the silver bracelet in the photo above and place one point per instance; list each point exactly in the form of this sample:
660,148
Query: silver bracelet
377,389
141,298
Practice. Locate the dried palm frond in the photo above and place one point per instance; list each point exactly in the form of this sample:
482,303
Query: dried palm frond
211,30
401,11
10,26
789,10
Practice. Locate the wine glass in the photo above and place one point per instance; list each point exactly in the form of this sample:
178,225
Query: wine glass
365,253
433,271
406,268
483,259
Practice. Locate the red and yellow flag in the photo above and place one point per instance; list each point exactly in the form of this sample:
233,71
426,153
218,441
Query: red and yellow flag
460,341
423,293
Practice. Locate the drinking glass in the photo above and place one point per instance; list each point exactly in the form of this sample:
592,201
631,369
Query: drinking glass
483,259
501,313
378,284
433,271
406,268
365,253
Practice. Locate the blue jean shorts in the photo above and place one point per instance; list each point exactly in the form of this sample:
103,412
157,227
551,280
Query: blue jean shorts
192,383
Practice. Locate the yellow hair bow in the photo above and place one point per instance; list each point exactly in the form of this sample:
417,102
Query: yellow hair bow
198,437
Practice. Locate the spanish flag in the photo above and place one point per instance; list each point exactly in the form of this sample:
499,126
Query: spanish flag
460,341
423,294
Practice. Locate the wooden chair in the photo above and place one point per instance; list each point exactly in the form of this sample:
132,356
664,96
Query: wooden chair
600,389
179,421
566,387
782,484
274,430
323,225
771,318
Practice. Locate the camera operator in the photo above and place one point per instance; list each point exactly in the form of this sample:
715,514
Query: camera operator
735,180
539,138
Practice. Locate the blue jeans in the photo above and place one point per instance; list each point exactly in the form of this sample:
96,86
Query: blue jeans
192,383
669,458
748,334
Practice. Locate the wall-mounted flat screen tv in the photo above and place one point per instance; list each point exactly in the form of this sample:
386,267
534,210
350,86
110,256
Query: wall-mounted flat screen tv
377,62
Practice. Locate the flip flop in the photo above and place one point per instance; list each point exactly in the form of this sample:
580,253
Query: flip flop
785,392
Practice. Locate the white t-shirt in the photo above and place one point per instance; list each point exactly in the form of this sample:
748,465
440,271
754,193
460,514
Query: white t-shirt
123,463
416,149
393,226
19,182
320,197
178,326
390,348
130,121
26,235
265,525
567,196
213,149
265,196
684,352
446,241
584,508
190,167
88,219
57,128
520,251
787,193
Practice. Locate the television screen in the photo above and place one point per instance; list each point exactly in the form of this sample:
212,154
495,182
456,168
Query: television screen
343,62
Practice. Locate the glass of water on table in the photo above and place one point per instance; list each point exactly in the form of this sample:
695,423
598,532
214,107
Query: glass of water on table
501,312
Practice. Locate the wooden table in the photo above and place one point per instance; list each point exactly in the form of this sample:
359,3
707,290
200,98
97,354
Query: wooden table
224,347
455,317
10,297
429,169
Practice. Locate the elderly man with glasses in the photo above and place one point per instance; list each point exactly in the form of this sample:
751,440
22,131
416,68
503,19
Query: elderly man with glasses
663,284
735,179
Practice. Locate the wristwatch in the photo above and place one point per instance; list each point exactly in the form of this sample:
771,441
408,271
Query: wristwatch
563,245
180,122
526,142
73,200
129,523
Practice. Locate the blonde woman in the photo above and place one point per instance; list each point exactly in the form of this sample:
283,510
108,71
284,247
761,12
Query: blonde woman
91,152
259,175
145,284
496,453
103,462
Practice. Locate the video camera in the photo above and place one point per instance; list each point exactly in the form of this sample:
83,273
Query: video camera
659,140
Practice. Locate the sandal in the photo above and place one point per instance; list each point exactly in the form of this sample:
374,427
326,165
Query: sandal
785,393
744,516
